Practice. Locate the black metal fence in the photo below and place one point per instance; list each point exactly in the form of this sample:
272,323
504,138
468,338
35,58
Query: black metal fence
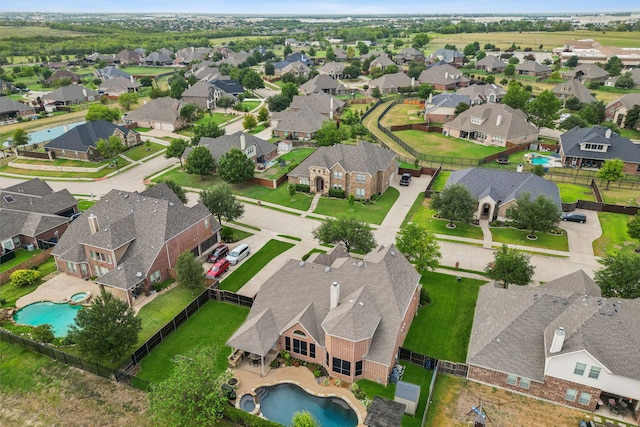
427,362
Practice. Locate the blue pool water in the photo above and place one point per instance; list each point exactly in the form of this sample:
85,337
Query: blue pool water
79,296
48,134
282,401
59,316
544,161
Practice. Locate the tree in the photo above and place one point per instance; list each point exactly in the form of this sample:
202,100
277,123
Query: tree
391,69
249,122
351,233
470,49
192,394
351,72
189,272
23,278
455,203
235,167
517,95
620,276
375,92
362,48
208,130
222,203
614,66
289,90
633,227
573,121
330,134
510,70
21,137
538,170
625,81
572,62
420,40
632,120
611,170
462,107
146,81
573,103
424,90
419,246
106,330
263,114
226,102
278,102
110,148
175,187
543,111
252,80
287,50
43,333
176,149
481,55
102,112
190,113
330,55
177,85
593,112
269,69
540,214
415,69
304,419
510,266
126,100
200,161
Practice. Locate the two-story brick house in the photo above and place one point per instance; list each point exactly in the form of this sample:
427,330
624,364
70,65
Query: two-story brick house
348,317
362,170
129,241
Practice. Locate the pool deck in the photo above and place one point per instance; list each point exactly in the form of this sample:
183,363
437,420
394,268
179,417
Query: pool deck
301,376
59,287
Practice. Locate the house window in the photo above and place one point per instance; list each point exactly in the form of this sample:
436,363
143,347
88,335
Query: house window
337,187
327,358
300,347
304,181
358,367
99,256
594,372
341,366
155,276
361,178
476,120
206,223
481,135
525,382
360,192
498,139
512,379
299,333
287,343
570,395
312,350
72,267
337,174
101,270
585,398
580,367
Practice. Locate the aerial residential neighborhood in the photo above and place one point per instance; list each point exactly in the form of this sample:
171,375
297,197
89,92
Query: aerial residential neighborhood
388,219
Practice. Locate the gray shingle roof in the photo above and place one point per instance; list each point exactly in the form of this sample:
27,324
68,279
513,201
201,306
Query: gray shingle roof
390,281
492,61
619,147
320,83
117,85
220,145
332,68
589,71
364,157
157,57
447,99
446,55
496,119
384,413
532,66
391,81
16,223
574,88
301,121
70,93
628,101
86,135
483,92
163,109
111,72
319,102
504,186
8,105
443,74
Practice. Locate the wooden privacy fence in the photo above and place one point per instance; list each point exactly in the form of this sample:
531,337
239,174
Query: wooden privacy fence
25,265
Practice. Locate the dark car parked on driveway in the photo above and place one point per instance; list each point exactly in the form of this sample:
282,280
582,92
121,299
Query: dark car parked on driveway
405,179
218,253
574,217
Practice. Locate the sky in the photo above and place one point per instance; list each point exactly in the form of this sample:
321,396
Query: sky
315,7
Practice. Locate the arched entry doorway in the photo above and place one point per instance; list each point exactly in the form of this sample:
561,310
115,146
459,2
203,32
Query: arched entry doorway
319,185
486,211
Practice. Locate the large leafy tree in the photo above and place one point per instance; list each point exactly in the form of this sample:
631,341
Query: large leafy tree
21,137
278,102
455,203
106,330
573,121
420,40
593,112
611,170
192,394
102,112
620,275
540,214
226,102
189,272
330,134
110,148
517,95
419,246
190,113
235,167
511,267
200,161
252,80
209,130
222,203
176,148
632,120
572,62
175,187
614,65
625,81
126,100
633,227
543,111
249,122
177,85
289,90
351,233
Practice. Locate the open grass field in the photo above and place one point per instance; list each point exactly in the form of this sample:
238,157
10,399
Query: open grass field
402,114
614,234
569,193
371,213
7,32
442,329
241,274
425,217
370,123
149,71
213,324
436,144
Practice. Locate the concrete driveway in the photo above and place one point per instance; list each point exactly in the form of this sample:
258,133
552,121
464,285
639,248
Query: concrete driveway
581,236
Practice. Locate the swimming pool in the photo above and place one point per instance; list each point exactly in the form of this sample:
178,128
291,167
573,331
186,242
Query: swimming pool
79,296
546,161
59,316
48,134
280,402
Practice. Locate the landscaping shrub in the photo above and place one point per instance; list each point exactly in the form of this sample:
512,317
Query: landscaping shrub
334,192
43,333
226,234
243,418
292,166
303,188
425,299
22,278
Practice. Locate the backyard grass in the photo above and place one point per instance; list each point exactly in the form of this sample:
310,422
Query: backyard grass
570,193
243,273
434,143
61,162
21,256
279,196
620,196
143,150
83,205
294,156
217,118
440,181
161,310
213,324
10,294
371,213
513,236
59,174
401,114
148,71
630,133
424,216
442,329
614,234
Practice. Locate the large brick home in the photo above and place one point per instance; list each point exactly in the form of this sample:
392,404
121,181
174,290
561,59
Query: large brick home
31,213
348,317
362,170
131,240
616,111
561,342
258,150
159,113
443,77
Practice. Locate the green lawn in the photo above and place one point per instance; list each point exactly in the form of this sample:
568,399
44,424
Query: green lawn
619,196
213,324
371,213
442,329
83,205
244,272
279,196
62,162
59,174
148,71
11,294
276,171
630,133
21,256
257,129
440,181
401,114
217,118
141,129
433,143
161,310
250,105
179,176
569,193
22,368
143,150
424,216
514,236
614,234
238,234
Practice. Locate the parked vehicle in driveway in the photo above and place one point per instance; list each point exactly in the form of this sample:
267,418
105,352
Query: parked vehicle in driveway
217,269
574,217
238,254
218,253
405,179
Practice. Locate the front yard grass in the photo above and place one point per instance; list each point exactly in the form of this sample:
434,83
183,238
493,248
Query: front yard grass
614,234
179,176
514,236
442,329
10,294
213,324
279,196
143,150
425,216
371,213
243,273
570,193
83,205
162,309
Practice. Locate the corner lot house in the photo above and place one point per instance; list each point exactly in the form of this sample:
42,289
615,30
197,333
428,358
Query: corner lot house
617,110
160,113
496,190
492,124
348,317
491,64
69,95
31,213
362,170
258,150
591,147
132,240
562,342
441,108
